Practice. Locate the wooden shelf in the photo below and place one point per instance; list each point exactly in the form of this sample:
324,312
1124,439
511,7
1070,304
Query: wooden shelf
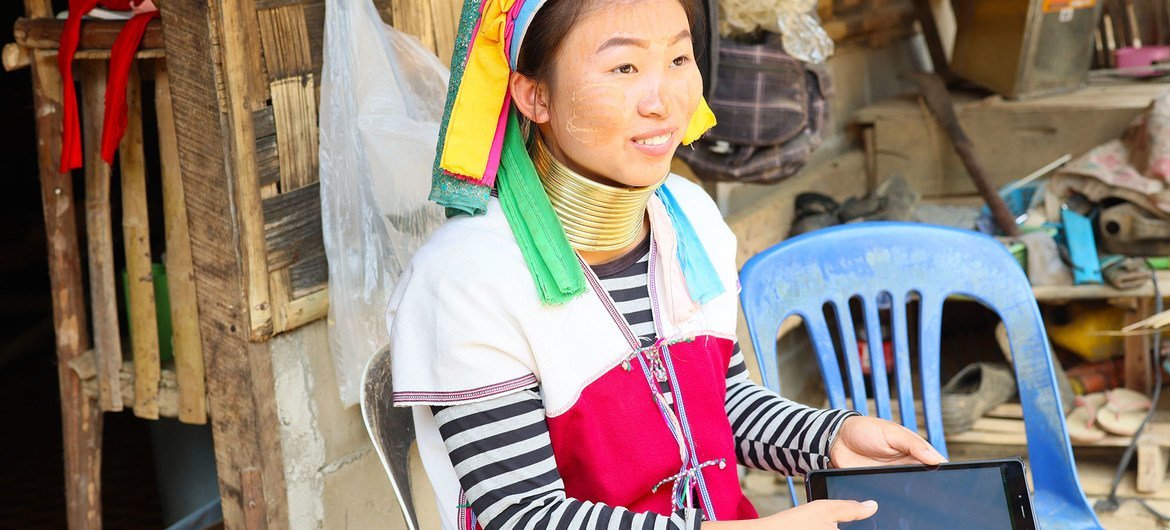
1098,292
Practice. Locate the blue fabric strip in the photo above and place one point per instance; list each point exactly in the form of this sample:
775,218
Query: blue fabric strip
703,283
523,20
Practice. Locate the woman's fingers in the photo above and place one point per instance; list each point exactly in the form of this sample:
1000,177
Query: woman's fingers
910,443
844,511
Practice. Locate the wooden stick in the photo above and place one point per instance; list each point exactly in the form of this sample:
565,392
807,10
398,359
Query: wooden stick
938,99
142,311
102,282
81,419
16,57
185,338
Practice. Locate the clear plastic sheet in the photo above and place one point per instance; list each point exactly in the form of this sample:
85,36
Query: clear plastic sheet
382,96
794,20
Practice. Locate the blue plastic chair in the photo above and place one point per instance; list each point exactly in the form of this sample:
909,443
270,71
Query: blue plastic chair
888,262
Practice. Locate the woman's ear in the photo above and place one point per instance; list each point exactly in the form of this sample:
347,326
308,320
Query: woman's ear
530,97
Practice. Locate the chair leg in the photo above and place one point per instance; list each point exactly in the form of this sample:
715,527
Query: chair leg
81,418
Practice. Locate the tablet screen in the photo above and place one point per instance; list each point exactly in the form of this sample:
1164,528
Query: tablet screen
945,499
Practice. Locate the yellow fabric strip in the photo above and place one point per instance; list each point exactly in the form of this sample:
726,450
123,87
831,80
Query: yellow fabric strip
478,104
702,121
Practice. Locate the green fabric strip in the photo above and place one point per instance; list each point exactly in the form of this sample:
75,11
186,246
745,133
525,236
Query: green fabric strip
538,231
457,196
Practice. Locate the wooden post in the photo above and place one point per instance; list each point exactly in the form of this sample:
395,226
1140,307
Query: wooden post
142,314
102,283
81,419
1138,374
189,368
240,382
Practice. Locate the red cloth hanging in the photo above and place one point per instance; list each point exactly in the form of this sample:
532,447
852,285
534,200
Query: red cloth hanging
121,57
71,150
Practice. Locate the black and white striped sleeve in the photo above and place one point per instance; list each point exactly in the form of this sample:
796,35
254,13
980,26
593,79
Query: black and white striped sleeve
773,433
502,453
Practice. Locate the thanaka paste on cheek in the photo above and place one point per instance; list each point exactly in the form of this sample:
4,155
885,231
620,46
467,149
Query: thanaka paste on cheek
594,112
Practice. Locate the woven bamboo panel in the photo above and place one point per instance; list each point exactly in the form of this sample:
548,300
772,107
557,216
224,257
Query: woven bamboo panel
271,89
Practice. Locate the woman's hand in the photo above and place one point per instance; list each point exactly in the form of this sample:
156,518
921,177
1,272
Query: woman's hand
815,515
868,441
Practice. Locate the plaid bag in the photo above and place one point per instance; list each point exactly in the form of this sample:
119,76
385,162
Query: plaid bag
772,112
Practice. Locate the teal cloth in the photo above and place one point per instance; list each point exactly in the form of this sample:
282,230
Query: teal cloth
550,259
458,196
703,284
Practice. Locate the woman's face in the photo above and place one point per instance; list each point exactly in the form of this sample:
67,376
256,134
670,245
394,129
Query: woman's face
622,91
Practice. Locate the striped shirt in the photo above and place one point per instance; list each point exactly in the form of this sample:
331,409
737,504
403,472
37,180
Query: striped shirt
502,452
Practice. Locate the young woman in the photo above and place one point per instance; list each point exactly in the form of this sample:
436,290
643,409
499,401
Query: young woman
570,354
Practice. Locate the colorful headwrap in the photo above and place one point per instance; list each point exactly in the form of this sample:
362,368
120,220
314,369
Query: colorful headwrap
481,146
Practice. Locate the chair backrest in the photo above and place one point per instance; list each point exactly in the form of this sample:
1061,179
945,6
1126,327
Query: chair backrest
890,264
391,429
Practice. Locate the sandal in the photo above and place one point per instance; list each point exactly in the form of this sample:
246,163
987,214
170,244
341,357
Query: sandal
1124,411
1082,422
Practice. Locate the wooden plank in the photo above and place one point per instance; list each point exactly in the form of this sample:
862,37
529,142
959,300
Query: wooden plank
1088,292
294,105
185,341
142,310
81,418
1151,471
239,47
292,228
240,386
1014,138
100,239
45,34
306,309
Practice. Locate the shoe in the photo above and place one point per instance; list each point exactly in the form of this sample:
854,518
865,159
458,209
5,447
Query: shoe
973,392
814,211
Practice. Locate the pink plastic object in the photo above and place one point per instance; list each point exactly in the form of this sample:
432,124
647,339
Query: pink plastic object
1139,57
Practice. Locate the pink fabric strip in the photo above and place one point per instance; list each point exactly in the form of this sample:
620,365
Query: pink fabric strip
677,298
493,164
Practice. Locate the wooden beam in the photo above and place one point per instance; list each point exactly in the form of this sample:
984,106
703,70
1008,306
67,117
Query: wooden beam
81,420
45,34
240,76
239,374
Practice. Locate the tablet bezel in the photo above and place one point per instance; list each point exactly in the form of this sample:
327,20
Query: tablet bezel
1015,484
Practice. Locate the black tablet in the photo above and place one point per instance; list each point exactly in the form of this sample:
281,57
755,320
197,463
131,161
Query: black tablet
954,496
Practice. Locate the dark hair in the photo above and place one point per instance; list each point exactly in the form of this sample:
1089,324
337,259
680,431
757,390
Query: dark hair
552,23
